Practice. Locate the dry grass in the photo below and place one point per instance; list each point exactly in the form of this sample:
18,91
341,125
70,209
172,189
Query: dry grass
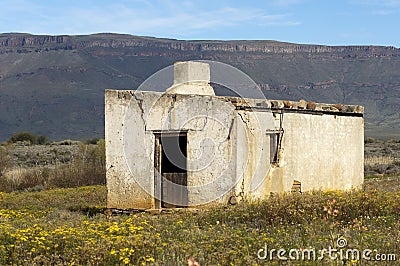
383,184
382,158
372,160
87,167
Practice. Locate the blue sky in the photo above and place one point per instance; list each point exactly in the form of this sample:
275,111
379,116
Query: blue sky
329,22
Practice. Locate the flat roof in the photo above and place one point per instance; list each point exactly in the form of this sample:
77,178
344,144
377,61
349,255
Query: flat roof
251,104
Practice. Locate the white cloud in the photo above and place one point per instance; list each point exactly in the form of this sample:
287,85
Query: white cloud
172,20
167,18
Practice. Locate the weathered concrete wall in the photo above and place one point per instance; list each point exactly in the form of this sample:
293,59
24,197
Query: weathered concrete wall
253,150
228,147
132,118
321,151
129,150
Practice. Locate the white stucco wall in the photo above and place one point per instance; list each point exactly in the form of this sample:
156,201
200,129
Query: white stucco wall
131,121
322,152
123,114
228,148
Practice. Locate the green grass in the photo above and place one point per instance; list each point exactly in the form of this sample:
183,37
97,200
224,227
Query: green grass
70,227
54,199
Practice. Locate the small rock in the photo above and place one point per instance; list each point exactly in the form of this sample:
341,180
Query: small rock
302,104
287,104
340,107
311,105
359,109
277,104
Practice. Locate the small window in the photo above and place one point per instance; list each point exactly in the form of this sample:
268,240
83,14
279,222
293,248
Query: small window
273,148
275,138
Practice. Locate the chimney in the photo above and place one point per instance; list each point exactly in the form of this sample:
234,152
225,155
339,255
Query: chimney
191,78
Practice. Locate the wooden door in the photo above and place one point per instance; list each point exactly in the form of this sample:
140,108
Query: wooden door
170,165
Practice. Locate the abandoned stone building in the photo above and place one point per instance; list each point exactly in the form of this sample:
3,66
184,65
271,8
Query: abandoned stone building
187,147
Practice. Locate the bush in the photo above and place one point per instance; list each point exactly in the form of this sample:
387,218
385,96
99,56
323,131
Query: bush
369,140
28,137
92,141
23,179
23,136
88,168
42,140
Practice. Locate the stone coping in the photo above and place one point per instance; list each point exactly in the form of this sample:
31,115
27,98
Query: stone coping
256,104
301,105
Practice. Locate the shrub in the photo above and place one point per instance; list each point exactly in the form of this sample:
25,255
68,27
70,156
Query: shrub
370,140
92,141
28,137
23,136
65,142
23,179
87,168
41,140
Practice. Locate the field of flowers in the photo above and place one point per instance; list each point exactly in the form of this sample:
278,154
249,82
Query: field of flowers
72,227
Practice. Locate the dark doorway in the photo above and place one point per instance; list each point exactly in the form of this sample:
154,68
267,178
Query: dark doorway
170,161
173,153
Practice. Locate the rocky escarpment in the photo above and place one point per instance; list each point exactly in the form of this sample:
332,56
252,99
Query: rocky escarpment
32,43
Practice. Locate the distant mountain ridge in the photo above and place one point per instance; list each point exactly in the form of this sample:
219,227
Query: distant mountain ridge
123,41
54,85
